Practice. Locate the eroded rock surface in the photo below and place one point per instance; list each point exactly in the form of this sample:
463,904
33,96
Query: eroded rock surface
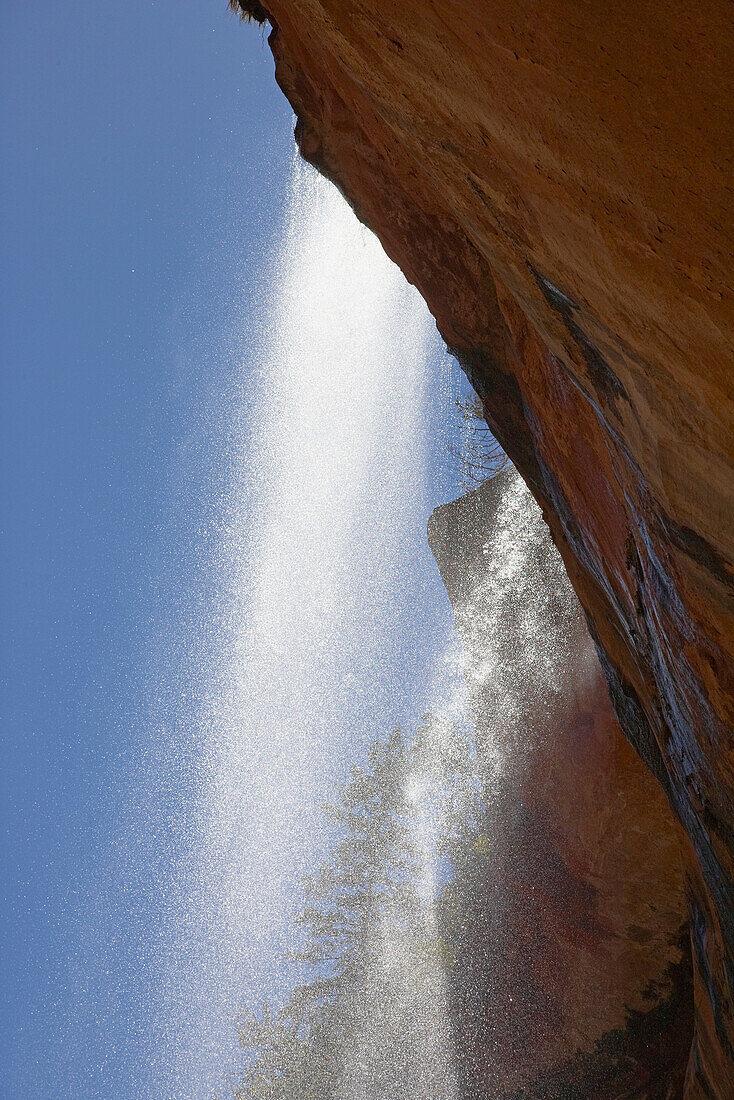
554,179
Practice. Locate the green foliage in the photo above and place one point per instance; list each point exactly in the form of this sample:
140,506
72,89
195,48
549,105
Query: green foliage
250,11
375,965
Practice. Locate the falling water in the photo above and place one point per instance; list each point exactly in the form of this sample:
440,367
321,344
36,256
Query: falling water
324,566
333,629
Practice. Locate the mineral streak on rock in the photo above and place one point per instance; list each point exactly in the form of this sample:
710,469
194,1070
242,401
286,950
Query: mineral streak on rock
554,178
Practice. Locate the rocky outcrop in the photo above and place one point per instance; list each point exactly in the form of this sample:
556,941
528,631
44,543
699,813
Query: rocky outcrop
571,973
553,178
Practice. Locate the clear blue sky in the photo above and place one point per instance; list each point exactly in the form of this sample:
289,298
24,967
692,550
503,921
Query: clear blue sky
136,140
146,153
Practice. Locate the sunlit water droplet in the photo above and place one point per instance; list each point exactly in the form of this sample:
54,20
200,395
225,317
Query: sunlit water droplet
313,645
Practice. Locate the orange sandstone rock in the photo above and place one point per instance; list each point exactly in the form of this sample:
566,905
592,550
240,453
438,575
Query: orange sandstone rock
555,180
571,973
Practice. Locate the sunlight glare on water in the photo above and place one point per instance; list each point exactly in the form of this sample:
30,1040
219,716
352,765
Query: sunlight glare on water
317,566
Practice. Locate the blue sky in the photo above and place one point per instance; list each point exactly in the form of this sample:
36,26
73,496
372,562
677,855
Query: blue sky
146,156
135,138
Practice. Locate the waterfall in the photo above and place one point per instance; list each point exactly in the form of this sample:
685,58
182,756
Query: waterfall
326,642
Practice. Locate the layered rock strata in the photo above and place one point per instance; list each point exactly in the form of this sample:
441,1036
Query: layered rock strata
554,178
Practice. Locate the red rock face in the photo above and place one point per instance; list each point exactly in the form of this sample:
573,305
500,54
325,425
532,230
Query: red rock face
571,972
553,179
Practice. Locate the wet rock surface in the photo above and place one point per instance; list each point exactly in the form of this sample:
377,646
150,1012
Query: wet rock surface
554,180
573,971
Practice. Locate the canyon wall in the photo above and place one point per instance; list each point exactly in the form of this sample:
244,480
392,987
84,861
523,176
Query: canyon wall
571,972
554,178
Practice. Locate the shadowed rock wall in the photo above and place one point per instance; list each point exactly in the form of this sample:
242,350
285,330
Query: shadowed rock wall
554,178
572,972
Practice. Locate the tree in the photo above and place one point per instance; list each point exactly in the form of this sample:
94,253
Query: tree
375,960
480,455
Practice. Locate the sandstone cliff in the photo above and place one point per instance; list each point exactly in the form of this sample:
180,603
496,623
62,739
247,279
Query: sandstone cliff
572,973
554,179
